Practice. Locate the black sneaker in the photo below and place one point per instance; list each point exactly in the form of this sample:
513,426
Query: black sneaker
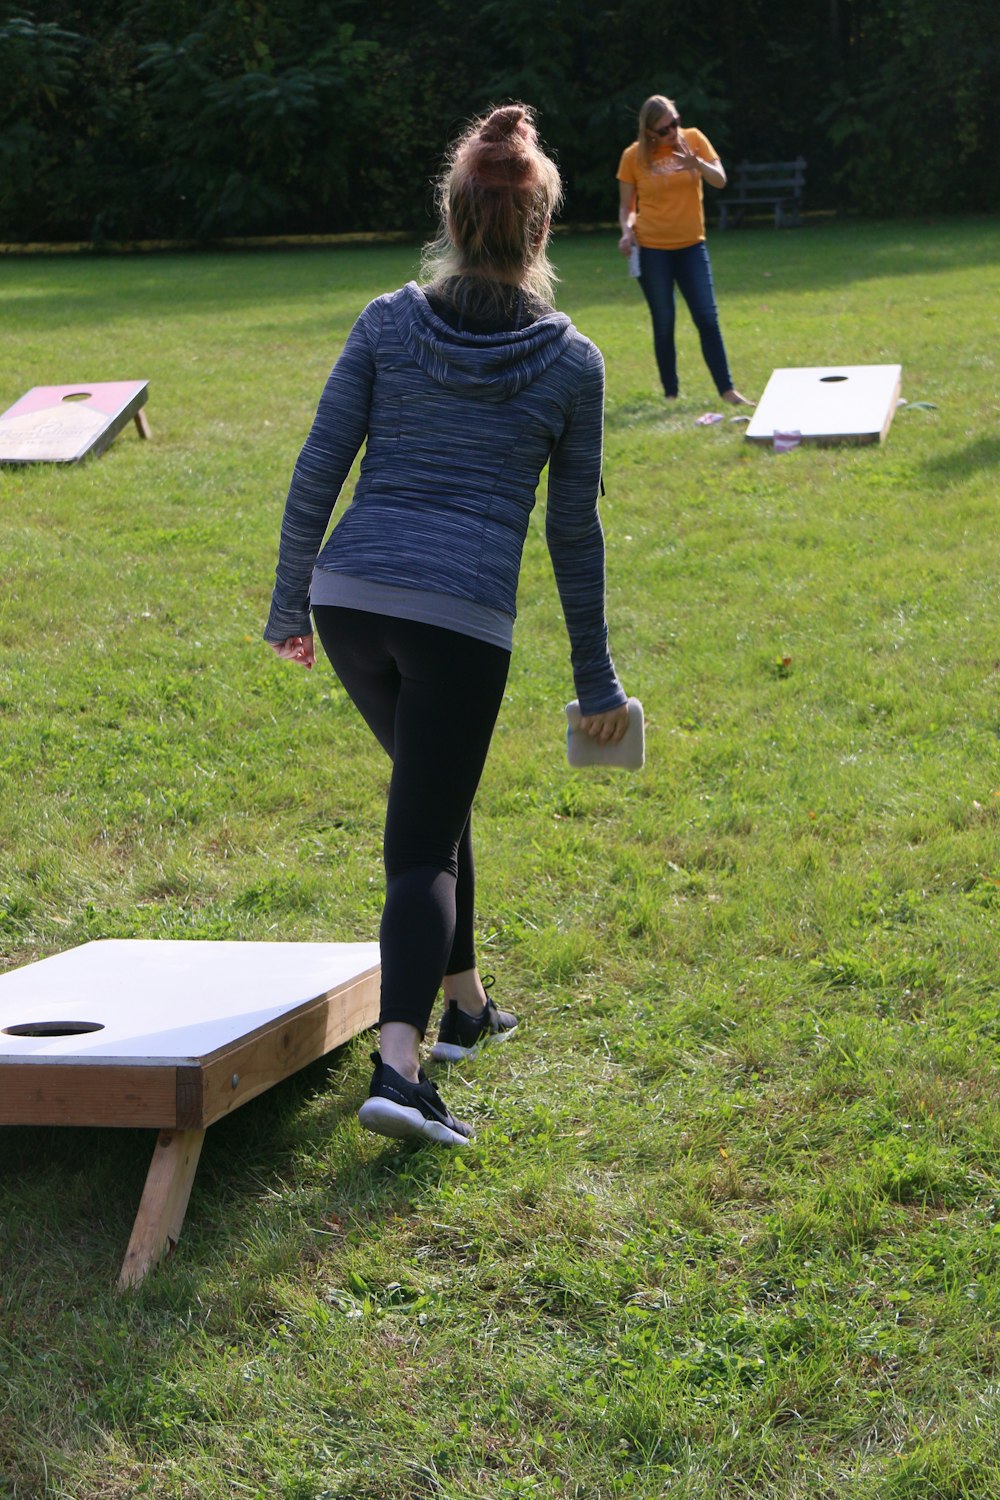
398,1108
461,1036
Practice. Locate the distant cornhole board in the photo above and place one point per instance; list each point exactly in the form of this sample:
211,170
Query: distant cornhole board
828,404
171,1035
61,424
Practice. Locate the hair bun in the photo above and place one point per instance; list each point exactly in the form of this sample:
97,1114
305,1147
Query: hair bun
505,123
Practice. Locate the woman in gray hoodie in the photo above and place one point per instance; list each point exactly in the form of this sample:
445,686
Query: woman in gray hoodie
461,391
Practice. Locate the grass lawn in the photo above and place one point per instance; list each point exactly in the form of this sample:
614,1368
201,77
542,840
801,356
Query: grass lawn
731,1227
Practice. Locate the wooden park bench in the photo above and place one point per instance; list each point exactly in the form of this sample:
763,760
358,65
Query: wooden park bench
755,184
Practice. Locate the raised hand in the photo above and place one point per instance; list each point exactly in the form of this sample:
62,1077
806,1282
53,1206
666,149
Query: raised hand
686,159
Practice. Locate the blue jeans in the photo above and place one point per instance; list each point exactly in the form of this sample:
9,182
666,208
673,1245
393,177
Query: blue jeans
691,269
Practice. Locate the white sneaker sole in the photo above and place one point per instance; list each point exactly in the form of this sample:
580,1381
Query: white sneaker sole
400,1122
453,1052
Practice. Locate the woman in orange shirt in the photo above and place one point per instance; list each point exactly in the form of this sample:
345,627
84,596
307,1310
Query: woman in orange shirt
662,216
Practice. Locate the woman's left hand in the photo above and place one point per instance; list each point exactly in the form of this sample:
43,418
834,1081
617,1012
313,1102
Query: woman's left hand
607,728
298,648
686,158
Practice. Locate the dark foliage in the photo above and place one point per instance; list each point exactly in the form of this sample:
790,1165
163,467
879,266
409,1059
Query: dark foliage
153,118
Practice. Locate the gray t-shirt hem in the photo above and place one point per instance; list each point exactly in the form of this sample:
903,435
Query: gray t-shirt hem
426,605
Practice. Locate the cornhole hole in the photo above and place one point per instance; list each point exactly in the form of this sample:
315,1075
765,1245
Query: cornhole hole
171,1035
828,404
61,424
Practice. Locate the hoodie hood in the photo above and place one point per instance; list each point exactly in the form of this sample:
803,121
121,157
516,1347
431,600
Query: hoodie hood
492,366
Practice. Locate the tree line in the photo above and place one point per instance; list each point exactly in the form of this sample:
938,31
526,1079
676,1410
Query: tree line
139,119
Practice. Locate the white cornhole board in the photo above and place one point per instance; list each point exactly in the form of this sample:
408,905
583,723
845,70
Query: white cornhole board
828,404
172,1035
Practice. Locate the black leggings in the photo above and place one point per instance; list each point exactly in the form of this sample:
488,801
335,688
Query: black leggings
431,698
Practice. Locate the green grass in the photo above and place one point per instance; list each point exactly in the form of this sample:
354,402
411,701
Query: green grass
732,1224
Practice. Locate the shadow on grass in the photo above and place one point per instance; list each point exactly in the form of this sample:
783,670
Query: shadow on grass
959,464
825,256
265,1200
60,294
70,1195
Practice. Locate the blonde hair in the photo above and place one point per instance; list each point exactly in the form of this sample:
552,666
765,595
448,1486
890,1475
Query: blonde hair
655,106
495,198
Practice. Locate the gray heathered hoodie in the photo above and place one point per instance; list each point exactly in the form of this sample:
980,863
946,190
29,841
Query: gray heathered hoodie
458,427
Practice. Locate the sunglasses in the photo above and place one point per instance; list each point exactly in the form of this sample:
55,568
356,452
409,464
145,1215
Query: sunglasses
663,130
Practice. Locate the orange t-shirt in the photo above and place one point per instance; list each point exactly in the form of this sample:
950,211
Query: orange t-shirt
670,214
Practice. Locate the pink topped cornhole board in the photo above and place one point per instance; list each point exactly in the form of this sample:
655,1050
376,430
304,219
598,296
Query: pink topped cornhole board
61,424
172,1035
828,404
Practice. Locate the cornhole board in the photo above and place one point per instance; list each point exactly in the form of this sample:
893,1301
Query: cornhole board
61,424
171,1035
828,404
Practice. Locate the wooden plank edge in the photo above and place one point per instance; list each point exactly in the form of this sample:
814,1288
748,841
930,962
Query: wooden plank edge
274,1053
111,1094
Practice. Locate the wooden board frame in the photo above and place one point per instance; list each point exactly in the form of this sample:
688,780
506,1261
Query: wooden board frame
178,1096
182,1097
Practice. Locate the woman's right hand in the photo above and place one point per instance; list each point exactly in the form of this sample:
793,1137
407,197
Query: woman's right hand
626,243
300,648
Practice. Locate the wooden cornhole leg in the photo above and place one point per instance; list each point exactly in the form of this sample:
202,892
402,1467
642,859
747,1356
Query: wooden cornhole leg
142,424
164,1203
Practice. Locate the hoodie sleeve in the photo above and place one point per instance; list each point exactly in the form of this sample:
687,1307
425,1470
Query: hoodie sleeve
576,541
338,431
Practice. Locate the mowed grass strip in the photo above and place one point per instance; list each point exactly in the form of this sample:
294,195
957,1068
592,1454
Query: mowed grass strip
730,1226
